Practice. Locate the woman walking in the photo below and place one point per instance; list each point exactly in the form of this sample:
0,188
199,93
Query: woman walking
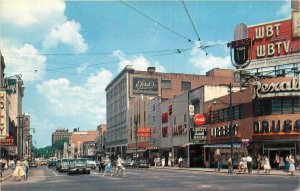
292,165
19,172
107,167
267,166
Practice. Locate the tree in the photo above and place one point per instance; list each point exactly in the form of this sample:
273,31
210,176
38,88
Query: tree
59,144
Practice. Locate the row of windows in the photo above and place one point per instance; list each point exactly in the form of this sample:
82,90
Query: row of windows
167,84
276,106
222,115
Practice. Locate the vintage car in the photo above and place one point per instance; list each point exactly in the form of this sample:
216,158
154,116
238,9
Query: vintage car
91,164
78,166
62,166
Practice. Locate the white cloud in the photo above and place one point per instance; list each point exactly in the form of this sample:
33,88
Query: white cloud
81,68
67,33
138,62
204,62
31,12
85,102
25,60
285,9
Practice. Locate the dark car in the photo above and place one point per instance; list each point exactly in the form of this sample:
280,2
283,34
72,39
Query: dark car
78,166
52,163
143,163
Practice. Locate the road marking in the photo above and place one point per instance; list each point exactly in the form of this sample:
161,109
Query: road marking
54,173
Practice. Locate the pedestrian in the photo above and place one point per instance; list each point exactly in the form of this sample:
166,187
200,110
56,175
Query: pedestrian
277,161
100,164
155,162
259,163
19,172
163,162
244,163
169,162
249,163
107,167
267,167
229,163
24,164
120,166
180,162
287,164
292,165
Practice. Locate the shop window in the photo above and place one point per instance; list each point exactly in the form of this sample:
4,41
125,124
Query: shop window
296,105
226,114
186,85
287,106
166,84
236,112
221,115
276,106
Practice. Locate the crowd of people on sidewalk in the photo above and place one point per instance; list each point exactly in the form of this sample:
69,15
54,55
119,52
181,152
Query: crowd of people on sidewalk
21,170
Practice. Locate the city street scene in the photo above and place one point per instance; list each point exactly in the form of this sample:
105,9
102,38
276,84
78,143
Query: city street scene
149,95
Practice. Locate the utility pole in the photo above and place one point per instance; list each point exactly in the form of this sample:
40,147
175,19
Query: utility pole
20,138
231,126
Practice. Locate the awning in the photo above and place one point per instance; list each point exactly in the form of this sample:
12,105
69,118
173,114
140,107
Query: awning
235,145
134,151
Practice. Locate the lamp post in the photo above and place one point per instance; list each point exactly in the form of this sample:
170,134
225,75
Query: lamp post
231,134
136,134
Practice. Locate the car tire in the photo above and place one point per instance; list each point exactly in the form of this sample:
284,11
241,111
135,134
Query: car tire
88,172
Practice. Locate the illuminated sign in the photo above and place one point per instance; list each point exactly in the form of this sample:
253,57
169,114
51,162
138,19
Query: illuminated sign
272,42
7,141
276,126
144,132
3,113
290,88
199,134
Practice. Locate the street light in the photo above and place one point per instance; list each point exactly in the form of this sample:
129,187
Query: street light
230,125
136,134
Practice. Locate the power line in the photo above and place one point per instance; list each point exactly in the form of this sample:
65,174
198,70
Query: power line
155,21
186,10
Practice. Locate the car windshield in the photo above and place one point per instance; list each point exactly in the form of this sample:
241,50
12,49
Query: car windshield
80,161
64,161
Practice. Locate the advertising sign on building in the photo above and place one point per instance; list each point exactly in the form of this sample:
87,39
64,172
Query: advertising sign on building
144,132
3,113
273,44
144,85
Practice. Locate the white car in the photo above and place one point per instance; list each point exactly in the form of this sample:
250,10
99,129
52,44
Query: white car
91,164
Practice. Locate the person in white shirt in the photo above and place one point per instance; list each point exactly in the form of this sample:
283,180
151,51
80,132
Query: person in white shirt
249,163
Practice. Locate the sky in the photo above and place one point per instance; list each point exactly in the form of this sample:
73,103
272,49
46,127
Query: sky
68,51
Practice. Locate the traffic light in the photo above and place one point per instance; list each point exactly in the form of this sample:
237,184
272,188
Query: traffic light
170,108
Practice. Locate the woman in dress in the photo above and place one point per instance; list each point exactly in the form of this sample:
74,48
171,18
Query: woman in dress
107,167
19,172
267,166
292,166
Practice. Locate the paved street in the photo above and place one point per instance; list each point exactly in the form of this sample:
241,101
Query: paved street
44,179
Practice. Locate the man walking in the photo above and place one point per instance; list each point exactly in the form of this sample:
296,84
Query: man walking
120,166
249,163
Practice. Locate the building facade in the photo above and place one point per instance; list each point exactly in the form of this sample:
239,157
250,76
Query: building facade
60,134
130,83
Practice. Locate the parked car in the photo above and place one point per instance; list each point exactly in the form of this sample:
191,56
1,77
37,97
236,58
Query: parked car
33,164
143,163
62,166
78,166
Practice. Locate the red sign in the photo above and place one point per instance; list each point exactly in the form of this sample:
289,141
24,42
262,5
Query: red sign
144,132
199,119
273,40
7,141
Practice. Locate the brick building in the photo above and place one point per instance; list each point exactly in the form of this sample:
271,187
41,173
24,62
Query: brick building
59,134
130,83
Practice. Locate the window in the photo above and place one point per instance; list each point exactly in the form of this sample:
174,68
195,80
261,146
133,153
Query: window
296,105
166,84
276,106
287,106
236,112
186,85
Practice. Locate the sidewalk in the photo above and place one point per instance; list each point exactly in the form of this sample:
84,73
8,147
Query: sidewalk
6,174
225,171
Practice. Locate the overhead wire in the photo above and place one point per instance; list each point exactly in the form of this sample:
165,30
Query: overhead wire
186,10
155,21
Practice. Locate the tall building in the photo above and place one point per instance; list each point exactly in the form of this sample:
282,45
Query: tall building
59,134
130,83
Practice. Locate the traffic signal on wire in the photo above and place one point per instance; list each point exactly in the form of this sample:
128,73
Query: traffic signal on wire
170,108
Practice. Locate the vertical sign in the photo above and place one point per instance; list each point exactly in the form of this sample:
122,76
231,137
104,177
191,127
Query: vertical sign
3,118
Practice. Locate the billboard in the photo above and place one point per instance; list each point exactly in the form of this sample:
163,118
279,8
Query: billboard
273,44
149,86
3,115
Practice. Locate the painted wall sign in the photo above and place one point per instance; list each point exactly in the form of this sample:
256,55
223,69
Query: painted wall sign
288,88
223,131
146,86
180,129
276,126
199,134
272,42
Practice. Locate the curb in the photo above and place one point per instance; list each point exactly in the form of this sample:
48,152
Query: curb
6,177
224,172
